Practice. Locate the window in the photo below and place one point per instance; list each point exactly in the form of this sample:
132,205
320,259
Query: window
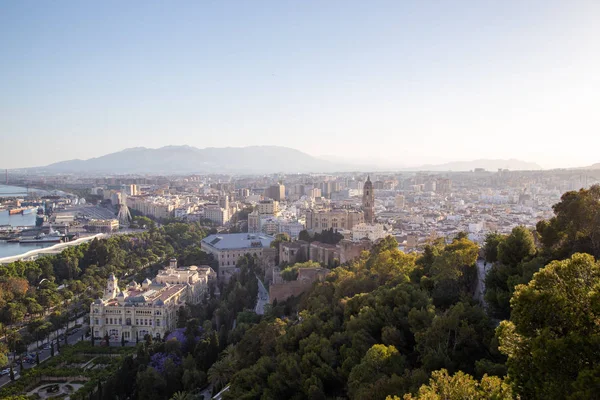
158,322
96,321
106,321
120,321
127,335
137,321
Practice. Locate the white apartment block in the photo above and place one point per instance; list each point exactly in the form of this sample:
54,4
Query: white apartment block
157,207
216,214
149,308
268,207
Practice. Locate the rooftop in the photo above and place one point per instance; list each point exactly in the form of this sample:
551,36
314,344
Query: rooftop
238,241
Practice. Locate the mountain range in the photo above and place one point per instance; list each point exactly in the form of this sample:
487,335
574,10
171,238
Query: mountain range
245,160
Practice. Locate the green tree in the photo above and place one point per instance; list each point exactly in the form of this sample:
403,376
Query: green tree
575,226
379,363
461,386
151,385
304,235
517,247
181,396
490,247
221,372
192,378
553,339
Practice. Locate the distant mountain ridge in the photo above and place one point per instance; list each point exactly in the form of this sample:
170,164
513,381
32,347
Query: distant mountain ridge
246,160
489,165
593,166
187,159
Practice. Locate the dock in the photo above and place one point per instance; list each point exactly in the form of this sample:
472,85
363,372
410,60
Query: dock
52,250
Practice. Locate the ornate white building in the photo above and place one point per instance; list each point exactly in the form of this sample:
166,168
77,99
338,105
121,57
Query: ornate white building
149,308
373,232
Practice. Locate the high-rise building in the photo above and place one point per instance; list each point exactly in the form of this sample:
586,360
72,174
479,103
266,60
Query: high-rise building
254,221
276,192
224,202
243,193
444,186
400,201
368,201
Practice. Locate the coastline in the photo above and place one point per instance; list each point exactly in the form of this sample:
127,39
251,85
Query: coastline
57,248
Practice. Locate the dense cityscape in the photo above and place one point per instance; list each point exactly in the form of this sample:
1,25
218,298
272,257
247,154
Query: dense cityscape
284,200
289,231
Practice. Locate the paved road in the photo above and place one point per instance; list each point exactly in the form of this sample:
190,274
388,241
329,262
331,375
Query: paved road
482,270
261,299
45,354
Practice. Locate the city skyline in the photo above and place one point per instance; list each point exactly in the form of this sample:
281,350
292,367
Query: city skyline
402,82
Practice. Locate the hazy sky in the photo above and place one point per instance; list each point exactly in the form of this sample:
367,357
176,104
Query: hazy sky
411,82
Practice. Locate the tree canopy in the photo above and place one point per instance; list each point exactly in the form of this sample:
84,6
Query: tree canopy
553,338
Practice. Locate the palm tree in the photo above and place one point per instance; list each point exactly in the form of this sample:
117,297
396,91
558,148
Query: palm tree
221,372
181,396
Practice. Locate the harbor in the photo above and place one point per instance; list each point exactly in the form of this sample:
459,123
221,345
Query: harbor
26,252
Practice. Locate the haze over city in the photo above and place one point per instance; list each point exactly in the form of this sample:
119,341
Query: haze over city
399,83
350,200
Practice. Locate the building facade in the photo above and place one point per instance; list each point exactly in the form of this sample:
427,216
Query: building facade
149,308
373,232
338,219
216,214
156,207
276,192
227,249
368,201
103,225
254,221
268,207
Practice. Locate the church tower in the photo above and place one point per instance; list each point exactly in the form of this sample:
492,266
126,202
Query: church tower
112,288
368,201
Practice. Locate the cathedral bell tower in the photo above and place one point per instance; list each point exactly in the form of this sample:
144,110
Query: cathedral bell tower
368,201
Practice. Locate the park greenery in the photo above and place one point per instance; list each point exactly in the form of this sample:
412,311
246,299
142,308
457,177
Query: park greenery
388,325
92,366
41,296
328,236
